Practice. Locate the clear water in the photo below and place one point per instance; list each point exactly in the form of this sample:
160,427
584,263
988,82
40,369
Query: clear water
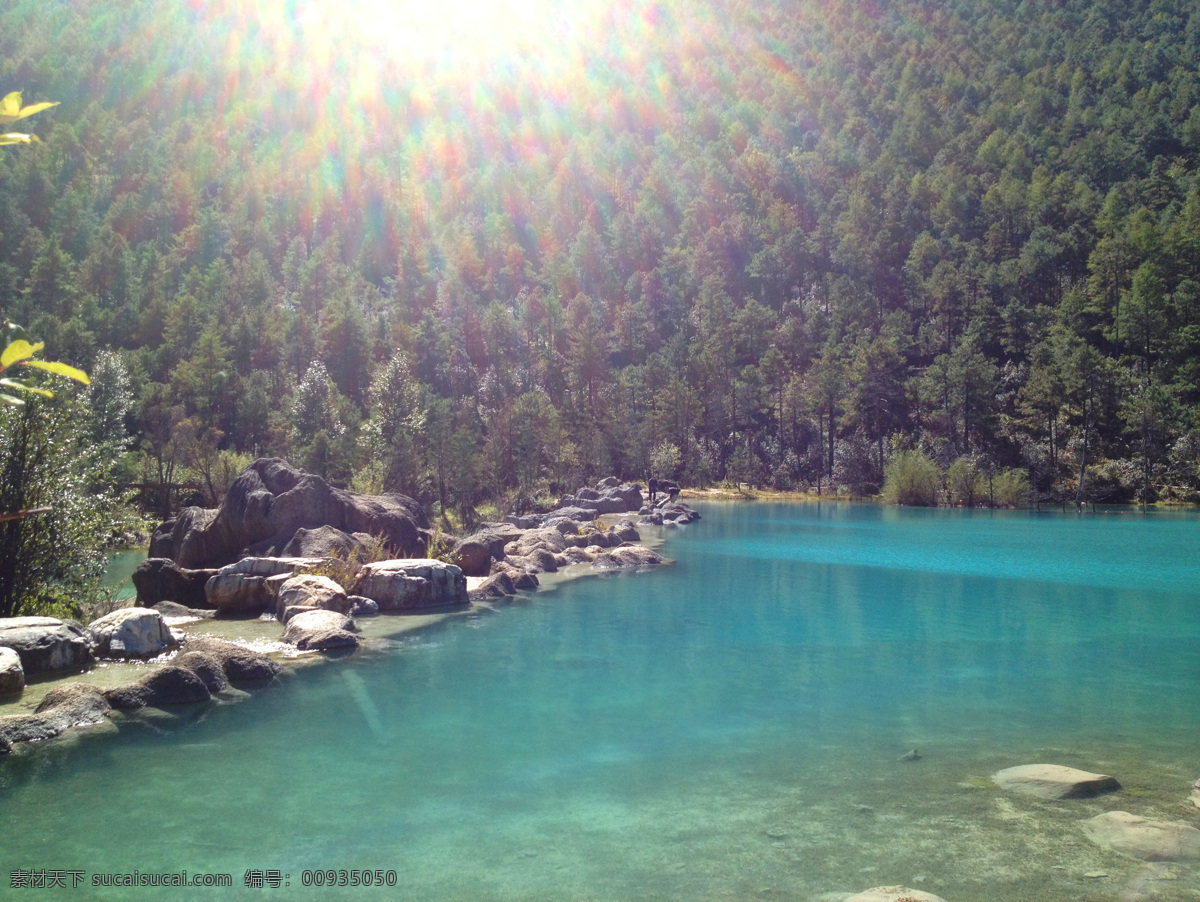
118,575
725,728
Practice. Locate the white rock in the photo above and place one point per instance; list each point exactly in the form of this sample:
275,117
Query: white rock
12,674
131,633
1053,781
411,583
894,894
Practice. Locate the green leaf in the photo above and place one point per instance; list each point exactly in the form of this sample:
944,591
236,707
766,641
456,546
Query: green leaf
18,350
12,383
60,369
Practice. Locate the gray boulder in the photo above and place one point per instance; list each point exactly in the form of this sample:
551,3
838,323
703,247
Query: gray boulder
361,606
265,507
412,584
250,585
310,591
473,557
241,664
894,894
498,585
168,686
320,630
160,579
12,674
47,645
574,513
528,521
131,633
1053,781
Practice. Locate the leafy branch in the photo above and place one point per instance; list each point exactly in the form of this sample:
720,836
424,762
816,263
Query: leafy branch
20,353
11,110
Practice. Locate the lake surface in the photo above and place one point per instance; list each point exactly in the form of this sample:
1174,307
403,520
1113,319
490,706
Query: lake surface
728,727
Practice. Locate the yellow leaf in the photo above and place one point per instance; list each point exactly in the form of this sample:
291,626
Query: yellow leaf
19,350
17,138
11,401
10,106
12,383
60,369
35,108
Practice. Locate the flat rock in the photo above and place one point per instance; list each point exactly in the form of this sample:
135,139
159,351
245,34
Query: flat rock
1053,781
894,894
131,633
46,645
12,674
1142,838
412,583
73,705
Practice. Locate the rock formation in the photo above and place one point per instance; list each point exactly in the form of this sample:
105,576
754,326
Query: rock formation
268,504
47,645
1053,781
131,633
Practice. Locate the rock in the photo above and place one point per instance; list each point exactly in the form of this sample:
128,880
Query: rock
12,674
625,531
175,614
1139,837
651,519
249,586
522,580
241,664
361,606
73,705
634,557
529,521
205,666
894,894
171,685
610,482
912,755
412,584
473,557
1194,798
160,579
326,542
498,585
131,633
320,630
266,506
579,556
46,645
1053,781
310,591
574,513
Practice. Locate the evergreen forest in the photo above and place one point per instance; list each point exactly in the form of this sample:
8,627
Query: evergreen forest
778,242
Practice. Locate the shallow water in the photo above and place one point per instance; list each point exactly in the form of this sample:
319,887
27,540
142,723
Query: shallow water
725,728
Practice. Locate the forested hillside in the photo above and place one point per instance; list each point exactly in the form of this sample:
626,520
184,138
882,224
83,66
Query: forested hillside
768,241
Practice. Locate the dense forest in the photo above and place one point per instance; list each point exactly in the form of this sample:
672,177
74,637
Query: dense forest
761,241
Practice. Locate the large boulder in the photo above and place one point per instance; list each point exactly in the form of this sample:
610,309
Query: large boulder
1053,781
320,630
473,557
207,667
1139,837
412,584
47,645
574,512
159,579
73,705
131,633
170,685
308,590
266,506
241,664
12,674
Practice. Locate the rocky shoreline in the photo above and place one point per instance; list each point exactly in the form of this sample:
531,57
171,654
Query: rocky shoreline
261,567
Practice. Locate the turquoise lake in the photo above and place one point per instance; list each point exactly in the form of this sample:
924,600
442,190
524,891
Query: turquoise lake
728,727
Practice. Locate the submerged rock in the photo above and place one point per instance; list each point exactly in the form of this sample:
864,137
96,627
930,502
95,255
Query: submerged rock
628,557
73,705
1053,781
1142,838
47,645
894,894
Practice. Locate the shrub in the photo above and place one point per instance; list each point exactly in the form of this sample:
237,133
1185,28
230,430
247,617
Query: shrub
965,483
911,478
1011,488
